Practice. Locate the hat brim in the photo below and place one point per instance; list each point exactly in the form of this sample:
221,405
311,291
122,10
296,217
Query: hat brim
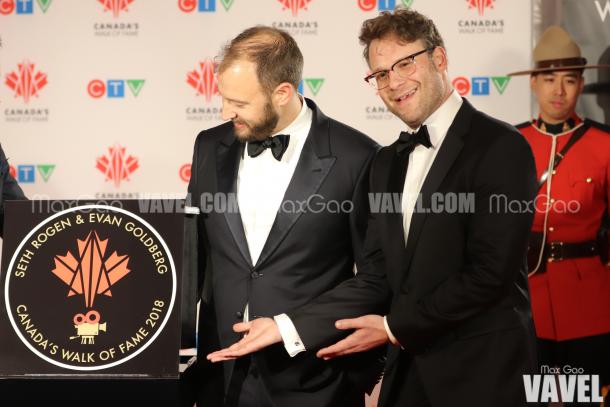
559,68
597,88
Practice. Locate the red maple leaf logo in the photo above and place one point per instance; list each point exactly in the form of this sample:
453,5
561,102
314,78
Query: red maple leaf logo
480,5
91,272
204,79
116,165
26,81
295,5
116,6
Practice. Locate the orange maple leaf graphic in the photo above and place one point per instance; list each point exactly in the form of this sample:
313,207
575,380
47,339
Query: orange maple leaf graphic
90,273
480,5
117,165
116,6
203,80
295,5
26,82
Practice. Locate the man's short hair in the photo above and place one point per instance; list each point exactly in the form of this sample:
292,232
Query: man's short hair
406,24
276,54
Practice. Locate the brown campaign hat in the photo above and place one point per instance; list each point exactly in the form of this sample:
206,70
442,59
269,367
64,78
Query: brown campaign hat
602,86
557,51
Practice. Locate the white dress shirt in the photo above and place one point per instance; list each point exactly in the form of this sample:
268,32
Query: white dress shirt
262,182
261,185
420,161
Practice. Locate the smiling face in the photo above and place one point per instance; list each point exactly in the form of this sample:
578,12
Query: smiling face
557,94
415,98
246,103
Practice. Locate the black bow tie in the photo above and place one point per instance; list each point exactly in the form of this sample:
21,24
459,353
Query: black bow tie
277,144
408,141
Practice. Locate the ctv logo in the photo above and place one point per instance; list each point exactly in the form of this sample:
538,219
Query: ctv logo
117,166
203,79
603,12
570,386
382,5
26,174
114,88
314,85
22,6
203,6
26,81
480,5
294,6
480,85
116,6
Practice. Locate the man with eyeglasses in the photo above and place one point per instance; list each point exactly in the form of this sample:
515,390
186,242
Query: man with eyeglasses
458,319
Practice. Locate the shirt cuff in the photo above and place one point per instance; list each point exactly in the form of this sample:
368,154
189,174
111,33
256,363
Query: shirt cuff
393,339
290,336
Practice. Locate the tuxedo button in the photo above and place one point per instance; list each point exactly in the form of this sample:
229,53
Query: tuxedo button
255,274
239,315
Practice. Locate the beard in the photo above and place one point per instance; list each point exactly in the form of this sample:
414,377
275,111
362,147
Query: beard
255,131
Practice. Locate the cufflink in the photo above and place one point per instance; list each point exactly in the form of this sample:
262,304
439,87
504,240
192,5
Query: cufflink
191,210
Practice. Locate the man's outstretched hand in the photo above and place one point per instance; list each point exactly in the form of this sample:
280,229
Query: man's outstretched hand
258,334
369,333
262,332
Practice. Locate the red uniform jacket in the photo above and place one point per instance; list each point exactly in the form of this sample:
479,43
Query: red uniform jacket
572,299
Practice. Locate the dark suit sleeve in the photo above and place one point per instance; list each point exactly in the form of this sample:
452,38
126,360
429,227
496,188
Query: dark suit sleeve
496,241
366,293
10,189
202,380
200,235
358,217
196,285
190,284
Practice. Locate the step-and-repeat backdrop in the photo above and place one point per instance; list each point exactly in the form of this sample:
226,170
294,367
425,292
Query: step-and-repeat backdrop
104,98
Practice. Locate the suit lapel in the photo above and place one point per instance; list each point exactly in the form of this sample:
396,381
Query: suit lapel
394,219
228,155
312,168
450,149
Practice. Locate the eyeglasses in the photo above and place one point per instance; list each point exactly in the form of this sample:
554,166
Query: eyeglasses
403,67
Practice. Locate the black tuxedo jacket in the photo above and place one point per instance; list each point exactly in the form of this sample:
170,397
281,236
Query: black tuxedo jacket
458,287
310,249
9,189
